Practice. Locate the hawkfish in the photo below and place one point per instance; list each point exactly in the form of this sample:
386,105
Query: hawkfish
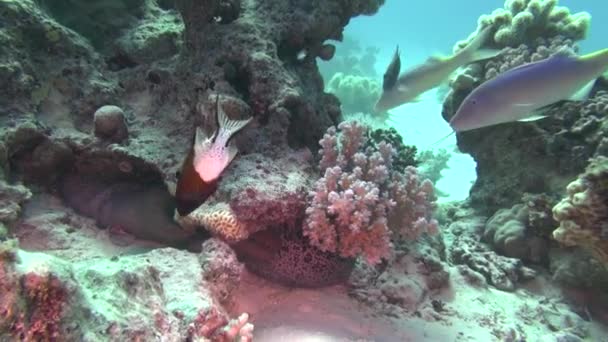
398,90
205,162
525,92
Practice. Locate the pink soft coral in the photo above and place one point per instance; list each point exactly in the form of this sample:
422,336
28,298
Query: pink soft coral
361,203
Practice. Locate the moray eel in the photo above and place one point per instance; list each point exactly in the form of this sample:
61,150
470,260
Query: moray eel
144,211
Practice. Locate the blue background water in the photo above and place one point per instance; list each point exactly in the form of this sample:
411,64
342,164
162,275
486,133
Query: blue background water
426,27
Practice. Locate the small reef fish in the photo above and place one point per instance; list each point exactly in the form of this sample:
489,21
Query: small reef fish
398,90
207,159
522,93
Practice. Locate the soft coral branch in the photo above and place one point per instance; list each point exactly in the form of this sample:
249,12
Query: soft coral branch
361,202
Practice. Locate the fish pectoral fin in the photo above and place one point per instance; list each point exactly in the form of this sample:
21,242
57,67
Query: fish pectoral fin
232,151
402,88
524,105
533,118
564,51
436,59
583,93
482,54
535,114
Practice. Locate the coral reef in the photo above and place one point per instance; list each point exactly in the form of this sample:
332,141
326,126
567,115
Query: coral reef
351,59
432,162
287,258
515,158
583,214
11,199
386,288
357,94
110,123
577,268
523,21
283,99
406,155
258,194
362,202
100,102
523,231
477,262
99,105
499,271
221,269
46,297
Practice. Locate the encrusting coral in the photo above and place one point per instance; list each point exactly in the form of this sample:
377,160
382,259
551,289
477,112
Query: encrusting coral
362,202
583,214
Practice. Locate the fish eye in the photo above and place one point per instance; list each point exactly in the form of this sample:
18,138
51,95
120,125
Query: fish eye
474,102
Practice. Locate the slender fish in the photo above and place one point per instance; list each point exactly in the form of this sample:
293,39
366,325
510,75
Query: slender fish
398,90
521,94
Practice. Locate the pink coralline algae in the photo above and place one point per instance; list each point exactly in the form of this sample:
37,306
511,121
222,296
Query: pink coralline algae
362,204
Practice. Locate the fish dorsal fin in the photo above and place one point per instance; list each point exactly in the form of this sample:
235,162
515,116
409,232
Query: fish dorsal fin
232,150
199,137
524,105
436,59
392,71
524,66
402,88
227,128
583,93
564,51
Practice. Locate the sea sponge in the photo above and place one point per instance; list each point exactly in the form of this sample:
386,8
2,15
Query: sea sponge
218,219
583,214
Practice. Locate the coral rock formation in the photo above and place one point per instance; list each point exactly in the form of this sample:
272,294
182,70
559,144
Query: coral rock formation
583,214
46,298
515,158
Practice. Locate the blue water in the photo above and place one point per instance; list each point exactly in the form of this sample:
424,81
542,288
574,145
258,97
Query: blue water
424,28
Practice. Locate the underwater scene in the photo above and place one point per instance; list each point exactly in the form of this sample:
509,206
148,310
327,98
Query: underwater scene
304,171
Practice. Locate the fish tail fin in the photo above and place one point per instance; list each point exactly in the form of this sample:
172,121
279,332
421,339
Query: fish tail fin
473,52
227,127
599,58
